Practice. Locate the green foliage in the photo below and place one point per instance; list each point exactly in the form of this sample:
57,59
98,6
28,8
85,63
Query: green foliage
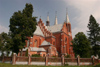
22,25
81,45
4,43
68,56
54,56
2,54
94,35
65,64
26,53
98,65
35,55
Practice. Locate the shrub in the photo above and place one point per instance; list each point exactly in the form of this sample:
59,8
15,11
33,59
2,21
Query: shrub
54,56
68,56
65,64
35,55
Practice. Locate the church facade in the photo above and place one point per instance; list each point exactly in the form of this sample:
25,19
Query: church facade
53,40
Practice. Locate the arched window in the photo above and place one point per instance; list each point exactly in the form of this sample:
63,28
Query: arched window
35,43
65,40
53,43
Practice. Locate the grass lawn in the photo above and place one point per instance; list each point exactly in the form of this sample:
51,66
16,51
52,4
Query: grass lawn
10,65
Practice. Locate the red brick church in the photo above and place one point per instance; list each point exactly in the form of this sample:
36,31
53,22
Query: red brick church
53,40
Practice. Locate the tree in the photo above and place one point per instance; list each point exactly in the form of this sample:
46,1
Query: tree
22,25
94,35
4,47
81,45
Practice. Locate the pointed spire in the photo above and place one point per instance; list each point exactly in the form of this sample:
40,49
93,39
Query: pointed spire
56,19
67,18
48,22
48,16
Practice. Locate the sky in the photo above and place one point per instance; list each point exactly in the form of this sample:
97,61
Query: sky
79,12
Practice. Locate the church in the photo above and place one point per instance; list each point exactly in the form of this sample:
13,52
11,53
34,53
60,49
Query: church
49,40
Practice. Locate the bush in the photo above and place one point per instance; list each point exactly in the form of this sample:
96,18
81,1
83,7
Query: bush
2,54
68,56
65,64
54,56
35,55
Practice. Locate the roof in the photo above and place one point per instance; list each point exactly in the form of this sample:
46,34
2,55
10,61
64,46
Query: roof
46,27
55,28
24,49
38,31
37,49
45,43
67,18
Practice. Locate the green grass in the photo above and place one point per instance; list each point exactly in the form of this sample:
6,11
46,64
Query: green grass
10,65
98,65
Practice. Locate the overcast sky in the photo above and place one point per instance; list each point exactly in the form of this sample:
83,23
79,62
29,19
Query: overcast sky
78,11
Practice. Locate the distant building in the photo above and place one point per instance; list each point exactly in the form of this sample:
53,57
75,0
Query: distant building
52,40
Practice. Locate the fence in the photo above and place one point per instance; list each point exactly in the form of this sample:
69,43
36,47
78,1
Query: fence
49,60
6,59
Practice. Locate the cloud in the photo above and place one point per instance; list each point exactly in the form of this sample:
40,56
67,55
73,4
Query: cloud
3,29
85,8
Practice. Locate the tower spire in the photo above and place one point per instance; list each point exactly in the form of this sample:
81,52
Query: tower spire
56,19
67,18
48,16
47,22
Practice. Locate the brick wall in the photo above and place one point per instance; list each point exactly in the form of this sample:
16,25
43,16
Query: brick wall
54,60
49,60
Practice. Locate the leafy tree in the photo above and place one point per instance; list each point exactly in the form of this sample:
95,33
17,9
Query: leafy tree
81,45
22,25
4,47
94,35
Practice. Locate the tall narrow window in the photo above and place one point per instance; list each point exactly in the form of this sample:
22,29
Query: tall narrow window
65,40
35,43
68,28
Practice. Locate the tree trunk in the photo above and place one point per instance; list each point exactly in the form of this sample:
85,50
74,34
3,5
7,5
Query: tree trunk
21,52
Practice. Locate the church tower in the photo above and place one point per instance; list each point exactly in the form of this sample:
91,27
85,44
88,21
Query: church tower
68,24
69,35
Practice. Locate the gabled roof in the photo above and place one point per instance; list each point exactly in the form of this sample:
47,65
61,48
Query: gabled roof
37,49
34,49
55,28
24,49
45,43
38,31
